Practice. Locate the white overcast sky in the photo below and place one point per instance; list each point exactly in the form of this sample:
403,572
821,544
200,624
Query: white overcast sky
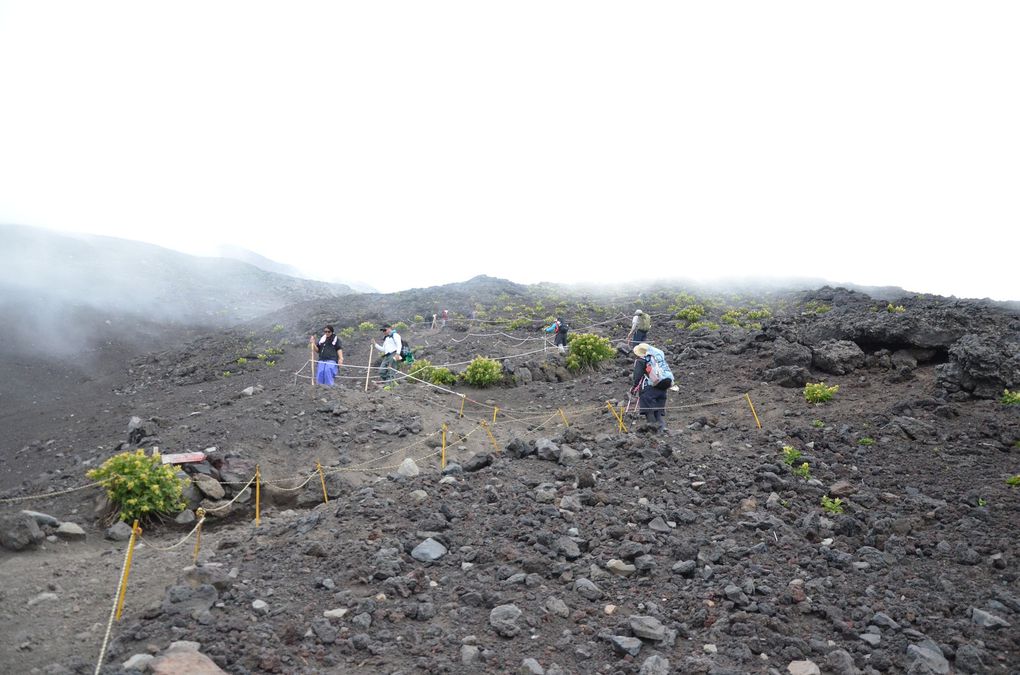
414,143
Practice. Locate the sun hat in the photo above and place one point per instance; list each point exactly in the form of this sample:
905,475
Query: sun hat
642,349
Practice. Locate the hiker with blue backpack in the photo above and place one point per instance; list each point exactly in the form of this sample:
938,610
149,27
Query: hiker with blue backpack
652,379
559,330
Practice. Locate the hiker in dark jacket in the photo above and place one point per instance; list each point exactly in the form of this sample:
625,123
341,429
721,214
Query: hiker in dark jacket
652,378
330,350
559,330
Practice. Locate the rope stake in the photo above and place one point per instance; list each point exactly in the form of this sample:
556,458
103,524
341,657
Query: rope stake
564,416
258,483
442,461
756,420
200,512
322,479
619,419
494,411
135,531
463,400
491,437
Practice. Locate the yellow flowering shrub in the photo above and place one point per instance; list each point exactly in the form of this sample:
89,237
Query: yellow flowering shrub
139,485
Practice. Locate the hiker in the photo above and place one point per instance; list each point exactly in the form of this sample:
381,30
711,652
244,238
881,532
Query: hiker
559,329
391,353
639,327
433,327
446,315
331,356
652,378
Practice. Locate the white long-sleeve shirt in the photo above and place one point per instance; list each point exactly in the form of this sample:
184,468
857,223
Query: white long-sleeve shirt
391,345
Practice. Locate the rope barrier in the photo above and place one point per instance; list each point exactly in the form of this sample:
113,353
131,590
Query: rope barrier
14,500
162,549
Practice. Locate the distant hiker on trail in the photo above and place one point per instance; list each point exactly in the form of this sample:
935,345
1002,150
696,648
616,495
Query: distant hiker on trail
330,350
433,322
391,353
559,330
446,315
652,379
639,327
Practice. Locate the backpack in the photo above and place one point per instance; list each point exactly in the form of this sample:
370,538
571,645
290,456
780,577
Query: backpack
406,355
563,327
644,322
656,371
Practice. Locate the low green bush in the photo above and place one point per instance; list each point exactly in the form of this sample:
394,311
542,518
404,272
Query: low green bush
483,372
587,350
424,370
818,393
1010,397
365,326
140,486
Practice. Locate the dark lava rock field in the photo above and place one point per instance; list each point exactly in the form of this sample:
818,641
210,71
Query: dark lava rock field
554,542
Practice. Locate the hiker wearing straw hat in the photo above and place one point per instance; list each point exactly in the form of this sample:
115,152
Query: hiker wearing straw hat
653,378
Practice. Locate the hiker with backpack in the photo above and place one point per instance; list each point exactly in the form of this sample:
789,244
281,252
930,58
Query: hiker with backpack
639,327
559,329
330,350
390,348
652,379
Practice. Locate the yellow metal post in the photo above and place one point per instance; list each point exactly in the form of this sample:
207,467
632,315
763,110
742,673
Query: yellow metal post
322,479
442,462
135,533
198,532
756,420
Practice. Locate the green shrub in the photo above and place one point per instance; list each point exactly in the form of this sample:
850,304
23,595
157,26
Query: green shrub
790,455
1013,481
691,313
365,326
815,307
763,313
867,440
482,372
587,350
1010,397
519,323
347,332
895,309
241,361
732,317
399,326
139,485
833,506
803,471
710,325
423,370
818,424
418,318
819,393
277,327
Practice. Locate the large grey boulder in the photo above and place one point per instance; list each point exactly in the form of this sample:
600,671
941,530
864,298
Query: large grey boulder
786,353
19,531
981,366
837,357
